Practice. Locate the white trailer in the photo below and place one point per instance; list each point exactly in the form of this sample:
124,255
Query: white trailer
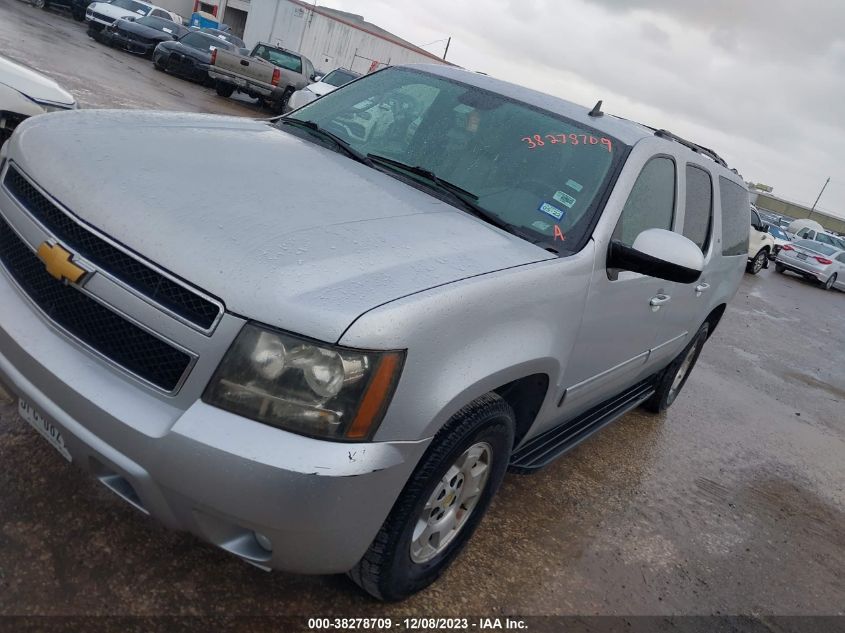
329,38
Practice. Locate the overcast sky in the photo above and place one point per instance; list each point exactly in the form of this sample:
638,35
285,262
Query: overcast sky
762,82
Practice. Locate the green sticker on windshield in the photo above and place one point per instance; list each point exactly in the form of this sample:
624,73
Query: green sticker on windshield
574,185
564,198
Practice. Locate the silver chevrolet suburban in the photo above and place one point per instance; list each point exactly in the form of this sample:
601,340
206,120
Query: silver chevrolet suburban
337,380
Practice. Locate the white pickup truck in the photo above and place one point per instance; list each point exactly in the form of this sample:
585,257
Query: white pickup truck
269,73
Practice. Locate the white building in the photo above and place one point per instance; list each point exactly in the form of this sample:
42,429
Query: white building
328,37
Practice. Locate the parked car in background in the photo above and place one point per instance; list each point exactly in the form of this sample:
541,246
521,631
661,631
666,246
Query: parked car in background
825,237
190,55
815,261
269,73
796,226
99,15
780,238
336,379
25,93
76,7
228,36
760,244
331,81
140,35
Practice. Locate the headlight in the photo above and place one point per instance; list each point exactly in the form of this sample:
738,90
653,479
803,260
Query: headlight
303,386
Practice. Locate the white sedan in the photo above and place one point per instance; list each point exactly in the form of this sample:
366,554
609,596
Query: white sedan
25,93
99,15
335,79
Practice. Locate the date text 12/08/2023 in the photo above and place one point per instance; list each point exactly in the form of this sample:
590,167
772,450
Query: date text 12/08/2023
537,140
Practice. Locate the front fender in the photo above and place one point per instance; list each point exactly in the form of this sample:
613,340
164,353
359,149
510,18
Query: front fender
13,101
469,337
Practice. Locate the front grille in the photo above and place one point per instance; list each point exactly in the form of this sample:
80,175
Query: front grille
95,325
100,16
129,270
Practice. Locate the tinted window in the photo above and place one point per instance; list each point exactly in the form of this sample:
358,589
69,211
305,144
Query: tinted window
131,5
734,201
824,239
338,77
280,58
775,231
163,25
698,212
536,170
652,201
204,42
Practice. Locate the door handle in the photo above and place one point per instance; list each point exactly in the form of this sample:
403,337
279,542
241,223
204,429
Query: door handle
701,288
658,300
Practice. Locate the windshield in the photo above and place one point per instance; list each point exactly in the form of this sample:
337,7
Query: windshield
532,169
131,5
204,42
280,58
338,77
228,37
816,246
160,24
778,233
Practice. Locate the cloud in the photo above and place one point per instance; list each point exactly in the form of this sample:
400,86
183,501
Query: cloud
760,82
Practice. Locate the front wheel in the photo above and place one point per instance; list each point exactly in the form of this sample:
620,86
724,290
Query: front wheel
39,4
442,503
829,283
756,264
674,377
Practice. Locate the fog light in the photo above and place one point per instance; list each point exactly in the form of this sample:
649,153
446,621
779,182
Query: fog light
263,541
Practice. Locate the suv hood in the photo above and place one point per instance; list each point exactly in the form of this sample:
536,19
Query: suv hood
32,84
282,230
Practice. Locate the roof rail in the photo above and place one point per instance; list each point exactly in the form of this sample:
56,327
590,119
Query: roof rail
693,146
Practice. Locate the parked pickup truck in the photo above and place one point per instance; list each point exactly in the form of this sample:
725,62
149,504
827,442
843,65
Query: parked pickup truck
336,378
269,73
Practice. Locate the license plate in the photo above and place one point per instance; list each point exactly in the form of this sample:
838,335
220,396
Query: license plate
44,427
802,255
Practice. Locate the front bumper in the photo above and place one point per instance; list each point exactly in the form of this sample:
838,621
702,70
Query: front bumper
119,40
215,474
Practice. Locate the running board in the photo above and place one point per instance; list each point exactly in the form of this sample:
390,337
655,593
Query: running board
540,451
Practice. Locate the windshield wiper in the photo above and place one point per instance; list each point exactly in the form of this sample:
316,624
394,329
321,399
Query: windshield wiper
466,199
346,147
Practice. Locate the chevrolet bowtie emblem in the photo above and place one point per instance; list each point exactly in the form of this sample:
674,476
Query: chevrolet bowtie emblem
58,262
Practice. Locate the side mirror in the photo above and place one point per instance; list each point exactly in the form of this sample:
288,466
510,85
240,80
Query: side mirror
659,253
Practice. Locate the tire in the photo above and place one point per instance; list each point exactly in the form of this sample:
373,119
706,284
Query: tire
157,64
278,107
396,565
779,268
674,377
828,285
224,89
757,264
40,4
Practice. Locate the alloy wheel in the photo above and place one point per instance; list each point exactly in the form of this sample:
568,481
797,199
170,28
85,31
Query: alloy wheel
451,503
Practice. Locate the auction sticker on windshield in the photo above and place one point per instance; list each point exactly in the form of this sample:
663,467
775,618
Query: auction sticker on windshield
44,427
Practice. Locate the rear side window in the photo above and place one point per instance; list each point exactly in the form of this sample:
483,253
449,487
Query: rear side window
651,204
824,239
735,207
698,212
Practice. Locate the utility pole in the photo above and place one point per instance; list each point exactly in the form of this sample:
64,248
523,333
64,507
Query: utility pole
449,41
817,199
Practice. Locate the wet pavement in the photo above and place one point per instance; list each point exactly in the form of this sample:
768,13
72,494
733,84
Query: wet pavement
733,502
